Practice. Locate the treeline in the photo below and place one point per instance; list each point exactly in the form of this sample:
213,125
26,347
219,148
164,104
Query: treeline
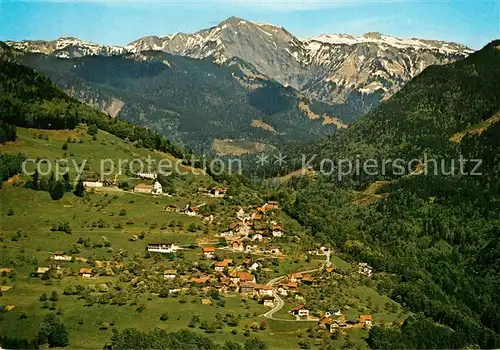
52,333
10,165
131,338
29,99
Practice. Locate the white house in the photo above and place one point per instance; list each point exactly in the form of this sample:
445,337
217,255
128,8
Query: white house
162,247
254,267
157,188
269,302
208,252
59,256
97,183
85,272
265,291
300,311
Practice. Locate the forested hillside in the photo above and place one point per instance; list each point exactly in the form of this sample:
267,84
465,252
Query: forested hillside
438,103
29,99
433,240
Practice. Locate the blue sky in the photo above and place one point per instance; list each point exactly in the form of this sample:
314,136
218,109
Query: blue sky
473,22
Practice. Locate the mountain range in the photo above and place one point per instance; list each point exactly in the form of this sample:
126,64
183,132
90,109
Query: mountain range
334,79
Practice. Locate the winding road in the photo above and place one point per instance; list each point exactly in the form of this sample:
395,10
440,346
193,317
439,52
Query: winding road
281,303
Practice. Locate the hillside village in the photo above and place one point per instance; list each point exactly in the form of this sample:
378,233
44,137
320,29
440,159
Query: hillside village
192,248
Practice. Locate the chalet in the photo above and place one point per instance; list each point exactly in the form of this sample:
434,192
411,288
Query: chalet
247,288
162,247
143,188
300,311
247,262
169,274
295,277
206,301
224,264
259,229
277,231
171,208
291,286
334,325
85,272
208,252
93,183
365,269
238,246
242,277
218,192
59,256
41,271
268,301
365,320
264,290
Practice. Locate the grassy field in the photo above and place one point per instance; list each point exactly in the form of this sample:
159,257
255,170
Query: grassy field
106,223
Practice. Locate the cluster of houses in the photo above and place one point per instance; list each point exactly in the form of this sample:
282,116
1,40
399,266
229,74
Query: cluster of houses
92,180
84,272
333,320
228,278
242,235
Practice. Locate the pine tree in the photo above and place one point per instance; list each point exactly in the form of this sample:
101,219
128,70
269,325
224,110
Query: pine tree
36,180
79,189
57,190
67,184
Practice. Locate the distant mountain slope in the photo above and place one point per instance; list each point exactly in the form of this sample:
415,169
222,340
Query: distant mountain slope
353,72
191,101
427,112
